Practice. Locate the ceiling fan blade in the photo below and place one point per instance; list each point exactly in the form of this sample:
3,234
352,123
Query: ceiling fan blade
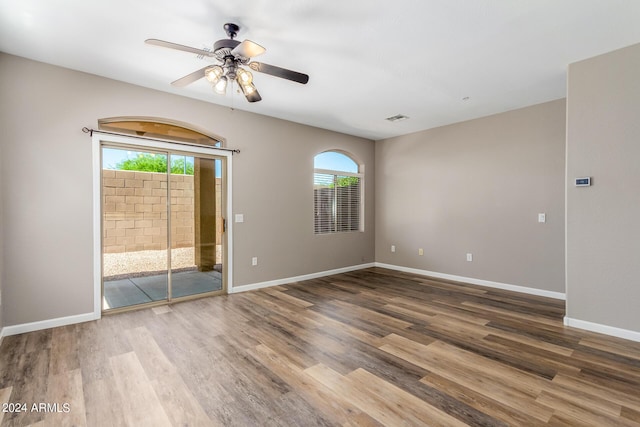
248,49
190,78
253,96
176,46
279,72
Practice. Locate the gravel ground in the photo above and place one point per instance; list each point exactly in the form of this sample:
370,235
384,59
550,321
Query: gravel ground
142,262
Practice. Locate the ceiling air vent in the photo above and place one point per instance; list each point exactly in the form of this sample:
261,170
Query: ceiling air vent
397,118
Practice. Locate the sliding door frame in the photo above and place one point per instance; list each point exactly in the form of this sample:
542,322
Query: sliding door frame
97,141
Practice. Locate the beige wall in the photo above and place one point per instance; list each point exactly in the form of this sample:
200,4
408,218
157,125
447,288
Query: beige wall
48,269
603,227
477,187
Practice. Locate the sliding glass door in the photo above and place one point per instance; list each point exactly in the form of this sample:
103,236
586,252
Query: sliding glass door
196,225
162,226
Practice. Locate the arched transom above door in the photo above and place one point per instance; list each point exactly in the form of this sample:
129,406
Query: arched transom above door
152,127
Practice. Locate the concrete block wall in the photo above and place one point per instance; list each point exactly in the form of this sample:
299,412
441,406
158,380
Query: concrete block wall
135,211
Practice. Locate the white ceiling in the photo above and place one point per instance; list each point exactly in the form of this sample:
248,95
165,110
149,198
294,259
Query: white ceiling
367,59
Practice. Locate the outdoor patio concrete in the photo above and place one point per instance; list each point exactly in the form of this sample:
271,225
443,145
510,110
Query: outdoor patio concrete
141,290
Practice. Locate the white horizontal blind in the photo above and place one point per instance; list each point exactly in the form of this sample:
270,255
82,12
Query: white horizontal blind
336,202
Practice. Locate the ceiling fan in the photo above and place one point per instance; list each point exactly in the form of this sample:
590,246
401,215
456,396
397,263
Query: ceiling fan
232,55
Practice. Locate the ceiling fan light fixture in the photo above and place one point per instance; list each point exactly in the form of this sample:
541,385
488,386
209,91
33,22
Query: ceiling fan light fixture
221,86
214,73
243,76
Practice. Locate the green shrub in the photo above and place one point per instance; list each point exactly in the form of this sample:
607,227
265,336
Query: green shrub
155,163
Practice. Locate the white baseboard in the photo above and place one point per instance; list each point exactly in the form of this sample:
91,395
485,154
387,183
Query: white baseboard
46,324
603,329
480,282
278,282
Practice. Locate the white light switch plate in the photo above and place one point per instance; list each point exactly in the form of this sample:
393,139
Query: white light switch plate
239,217
542,217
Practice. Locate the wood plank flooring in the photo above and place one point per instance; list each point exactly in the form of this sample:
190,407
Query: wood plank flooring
368,348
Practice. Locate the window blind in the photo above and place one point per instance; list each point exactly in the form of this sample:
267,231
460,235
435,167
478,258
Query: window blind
336,202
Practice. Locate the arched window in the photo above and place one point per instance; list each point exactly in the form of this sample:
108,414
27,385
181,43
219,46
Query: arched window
337,193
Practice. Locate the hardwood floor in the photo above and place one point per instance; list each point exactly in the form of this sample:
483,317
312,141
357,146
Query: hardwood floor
368,348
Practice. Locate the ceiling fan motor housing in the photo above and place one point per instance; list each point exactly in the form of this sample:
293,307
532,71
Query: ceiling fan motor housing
222,48
225,44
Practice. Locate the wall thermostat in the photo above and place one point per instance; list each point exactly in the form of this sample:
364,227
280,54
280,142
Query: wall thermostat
583,182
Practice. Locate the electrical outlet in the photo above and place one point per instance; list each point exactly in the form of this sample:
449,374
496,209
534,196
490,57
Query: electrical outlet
393,248
469,257
420,251
542,217
254,261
